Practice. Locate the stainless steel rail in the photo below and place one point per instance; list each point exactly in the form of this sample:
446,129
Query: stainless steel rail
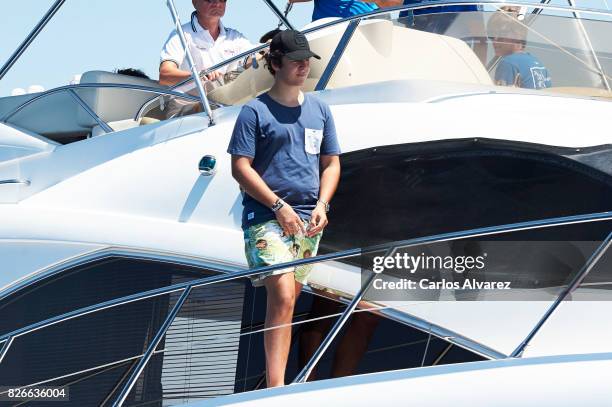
142,363
215,67
6,345
186,287
326,343
338,52
15,182
85,106
137,88
282,17
192,67
31,37
573,285
487,231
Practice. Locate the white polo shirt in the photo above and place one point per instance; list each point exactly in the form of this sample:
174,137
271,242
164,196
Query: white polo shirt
206,52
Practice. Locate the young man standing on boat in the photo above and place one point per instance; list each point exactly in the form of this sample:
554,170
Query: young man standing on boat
285,157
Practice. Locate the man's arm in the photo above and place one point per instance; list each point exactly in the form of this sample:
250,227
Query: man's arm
170,74
330,176
256,187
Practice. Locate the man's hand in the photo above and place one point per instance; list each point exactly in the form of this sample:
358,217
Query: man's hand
318,220
290,221
213,76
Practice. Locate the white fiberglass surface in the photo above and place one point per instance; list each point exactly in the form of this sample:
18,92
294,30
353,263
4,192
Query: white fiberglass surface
563,381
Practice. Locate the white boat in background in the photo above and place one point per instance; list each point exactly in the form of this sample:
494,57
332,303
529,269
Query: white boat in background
122,271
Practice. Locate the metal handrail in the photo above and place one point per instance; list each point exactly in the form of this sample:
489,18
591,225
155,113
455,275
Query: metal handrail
282,17
89,110
138,88
333,332
31,37
573,285
5,347
186,288
486,231
192,66
338,52
215,67
151,101
15,182
142,363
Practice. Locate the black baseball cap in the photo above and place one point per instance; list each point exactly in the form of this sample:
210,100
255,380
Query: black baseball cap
293,44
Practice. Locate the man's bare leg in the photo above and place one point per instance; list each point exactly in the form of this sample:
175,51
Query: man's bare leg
279,311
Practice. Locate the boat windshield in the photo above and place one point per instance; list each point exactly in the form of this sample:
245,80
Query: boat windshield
487,47
534,48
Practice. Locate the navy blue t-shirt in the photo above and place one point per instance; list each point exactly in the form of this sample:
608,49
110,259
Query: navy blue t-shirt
285,144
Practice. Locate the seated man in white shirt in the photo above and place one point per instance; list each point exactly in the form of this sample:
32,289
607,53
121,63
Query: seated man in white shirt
209,42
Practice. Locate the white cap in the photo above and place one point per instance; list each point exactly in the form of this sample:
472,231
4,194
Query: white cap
35,89
18,92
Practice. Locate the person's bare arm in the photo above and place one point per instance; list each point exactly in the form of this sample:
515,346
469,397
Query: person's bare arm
170,74
256,187
330,176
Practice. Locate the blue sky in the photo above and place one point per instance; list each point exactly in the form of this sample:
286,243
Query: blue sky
109,34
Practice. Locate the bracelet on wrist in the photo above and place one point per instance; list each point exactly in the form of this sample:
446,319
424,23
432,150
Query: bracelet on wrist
325,204
277,205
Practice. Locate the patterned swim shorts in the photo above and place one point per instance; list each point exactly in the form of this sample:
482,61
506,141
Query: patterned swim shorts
265,244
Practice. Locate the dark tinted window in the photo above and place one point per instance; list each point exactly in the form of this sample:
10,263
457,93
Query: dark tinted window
87,342
87,285
400,192
198,356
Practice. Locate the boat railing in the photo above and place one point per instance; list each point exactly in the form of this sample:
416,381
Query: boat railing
184,289
334,256
72,90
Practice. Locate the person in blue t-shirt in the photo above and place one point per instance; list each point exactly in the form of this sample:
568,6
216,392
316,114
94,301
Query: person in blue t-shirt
346,8
285,157
516,67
